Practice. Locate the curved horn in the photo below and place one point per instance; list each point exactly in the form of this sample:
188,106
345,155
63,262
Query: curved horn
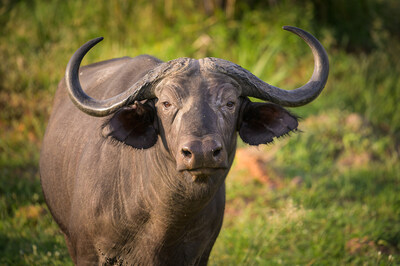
254,87
142,89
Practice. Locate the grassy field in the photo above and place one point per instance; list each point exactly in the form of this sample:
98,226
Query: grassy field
329,195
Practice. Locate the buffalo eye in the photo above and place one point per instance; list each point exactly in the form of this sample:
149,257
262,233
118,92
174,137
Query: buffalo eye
230,104
166,104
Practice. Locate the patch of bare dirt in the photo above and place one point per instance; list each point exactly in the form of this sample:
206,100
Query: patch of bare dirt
255,161
354,121
30,212
355,160
364,245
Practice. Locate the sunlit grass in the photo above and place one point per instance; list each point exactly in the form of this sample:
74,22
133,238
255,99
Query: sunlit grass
336,202
335,198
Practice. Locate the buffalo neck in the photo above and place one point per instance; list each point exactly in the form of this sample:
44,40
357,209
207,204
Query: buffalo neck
170,208
167,196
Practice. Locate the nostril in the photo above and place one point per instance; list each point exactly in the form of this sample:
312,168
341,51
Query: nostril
186,153
217,152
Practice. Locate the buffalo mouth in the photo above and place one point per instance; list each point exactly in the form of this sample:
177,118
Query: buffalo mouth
203,174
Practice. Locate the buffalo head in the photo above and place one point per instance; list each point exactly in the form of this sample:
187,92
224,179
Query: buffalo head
197,106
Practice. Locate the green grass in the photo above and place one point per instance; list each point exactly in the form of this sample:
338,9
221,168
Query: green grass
348,193
338,196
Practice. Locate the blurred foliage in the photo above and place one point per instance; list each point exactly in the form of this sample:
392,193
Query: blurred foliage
359,25
347,157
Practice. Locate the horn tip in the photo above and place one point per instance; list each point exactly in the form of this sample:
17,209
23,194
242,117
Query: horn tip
290,28
95,41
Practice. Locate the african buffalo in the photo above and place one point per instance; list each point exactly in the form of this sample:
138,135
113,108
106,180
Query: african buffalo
145,184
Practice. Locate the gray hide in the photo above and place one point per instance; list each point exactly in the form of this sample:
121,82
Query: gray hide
144,185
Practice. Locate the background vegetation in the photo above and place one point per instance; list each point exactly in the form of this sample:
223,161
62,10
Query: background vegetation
327,196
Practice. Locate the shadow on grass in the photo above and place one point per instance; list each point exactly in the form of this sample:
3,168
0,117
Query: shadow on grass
28,234
20,250
18,187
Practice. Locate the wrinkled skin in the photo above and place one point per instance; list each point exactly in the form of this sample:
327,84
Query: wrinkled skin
145,186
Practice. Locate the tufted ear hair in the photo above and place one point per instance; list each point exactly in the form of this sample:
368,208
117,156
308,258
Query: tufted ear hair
133,125
261,122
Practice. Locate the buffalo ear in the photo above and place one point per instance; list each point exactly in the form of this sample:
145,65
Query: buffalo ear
262,122
133,126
